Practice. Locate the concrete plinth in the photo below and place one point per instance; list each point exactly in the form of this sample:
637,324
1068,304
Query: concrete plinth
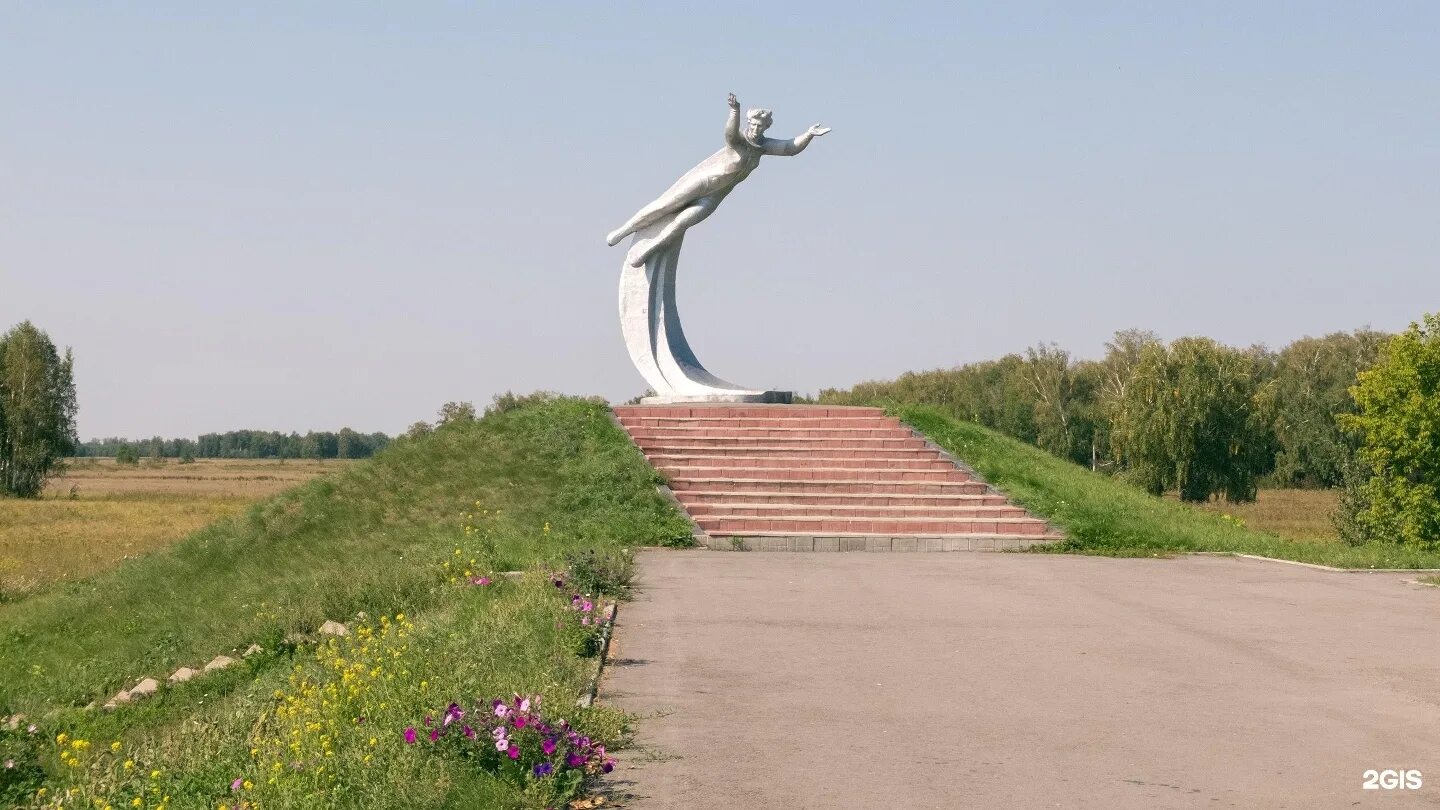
764,397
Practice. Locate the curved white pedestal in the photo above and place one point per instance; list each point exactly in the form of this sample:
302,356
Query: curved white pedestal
650,323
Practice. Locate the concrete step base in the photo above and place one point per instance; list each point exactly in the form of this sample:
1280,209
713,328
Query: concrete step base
871,543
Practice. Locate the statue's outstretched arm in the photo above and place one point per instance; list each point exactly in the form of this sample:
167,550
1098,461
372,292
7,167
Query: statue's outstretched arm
795,146
732,123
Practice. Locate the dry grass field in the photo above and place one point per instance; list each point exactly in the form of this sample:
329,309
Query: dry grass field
1294,514
99,513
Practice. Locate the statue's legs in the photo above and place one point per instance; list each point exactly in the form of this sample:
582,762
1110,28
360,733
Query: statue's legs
676,199
703,207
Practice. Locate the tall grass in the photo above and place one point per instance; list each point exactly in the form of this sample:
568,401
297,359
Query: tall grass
373,540
1101,515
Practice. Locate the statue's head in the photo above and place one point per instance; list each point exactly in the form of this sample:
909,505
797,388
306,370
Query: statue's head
760,120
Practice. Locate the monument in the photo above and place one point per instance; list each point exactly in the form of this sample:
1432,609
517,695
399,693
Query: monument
648,317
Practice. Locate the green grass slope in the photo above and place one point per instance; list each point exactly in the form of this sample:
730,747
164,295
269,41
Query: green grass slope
386,537
1101,515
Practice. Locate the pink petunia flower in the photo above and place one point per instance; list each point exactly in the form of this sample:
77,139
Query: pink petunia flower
235,786
410,735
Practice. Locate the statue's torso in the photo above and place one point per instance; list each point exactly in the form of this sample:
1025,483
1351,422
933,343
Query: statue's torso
719,172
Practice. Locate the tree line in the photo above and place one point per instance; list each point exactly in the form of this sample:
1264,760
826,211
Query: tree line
1358,410
1192,416
345,443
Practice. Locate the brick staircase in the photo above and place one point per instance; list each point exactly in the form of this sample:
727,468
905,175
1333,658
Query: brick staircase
820,478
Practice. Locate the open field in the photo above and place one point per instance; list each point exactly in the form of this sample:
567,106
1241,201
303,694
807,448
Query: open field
1294,514
99,513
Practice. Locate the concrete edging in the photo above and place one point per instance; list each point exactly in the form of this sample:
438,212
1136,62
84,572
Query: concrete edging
593,688
1317,566
899,544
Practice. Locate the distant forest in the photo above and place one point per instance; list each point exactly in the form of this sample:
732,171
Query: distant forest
1241,416
244,444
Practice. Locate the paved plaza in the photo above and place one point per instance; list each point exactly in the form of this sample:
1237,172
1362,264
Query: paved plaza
771,680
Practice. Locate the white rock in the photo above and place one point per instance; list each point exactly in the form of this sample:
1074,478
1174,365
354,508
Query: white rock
182,675
13,721
332,628
123,696
144,689
253,649
219,662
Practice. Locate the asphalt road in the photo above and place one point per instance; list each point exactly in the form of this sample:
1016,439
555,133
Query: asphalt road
772,680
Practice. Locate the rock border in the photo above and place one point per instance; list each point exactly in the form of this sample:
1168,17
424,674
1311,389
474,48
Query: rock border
148,686
592,689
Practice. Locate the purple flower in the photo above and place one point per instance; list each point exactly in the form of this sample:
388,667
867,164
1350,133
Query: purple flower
514,752
585,621
235,786
548,745
428,720
434,734
410,735
452,713
519,721
574,760
468,732
502,744
587,606
525,704
559,582
543,768
608,766
480,581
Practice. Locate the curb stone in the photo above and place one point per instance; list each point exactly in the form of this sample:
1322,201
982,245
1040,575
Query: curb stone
587,699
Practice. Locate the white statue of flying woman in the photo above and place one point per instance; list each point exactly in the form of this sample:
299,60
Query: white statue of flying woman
696,195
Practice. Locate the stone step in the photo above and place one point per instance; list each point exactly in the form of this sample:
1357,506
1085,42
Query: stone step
722,483
825,422
792,509
656,452
745,411
816,478
892,432
780,541
697,497
802,462
701,439
868,525
837,474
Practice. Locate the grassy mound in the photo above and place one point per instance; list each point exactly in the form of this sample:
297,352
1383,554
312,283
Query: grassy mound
1104,516
401,535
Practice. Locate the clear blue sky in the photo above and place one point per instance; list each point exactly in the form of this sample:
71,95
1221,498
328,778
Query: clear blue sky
308,215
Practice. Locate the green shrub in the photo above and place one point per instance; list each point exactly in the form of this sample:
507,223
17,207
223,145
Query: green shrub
1392,493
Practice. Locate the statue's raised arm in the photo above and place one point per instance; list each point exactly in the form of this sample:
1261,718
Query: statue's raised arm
732,122
795,145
